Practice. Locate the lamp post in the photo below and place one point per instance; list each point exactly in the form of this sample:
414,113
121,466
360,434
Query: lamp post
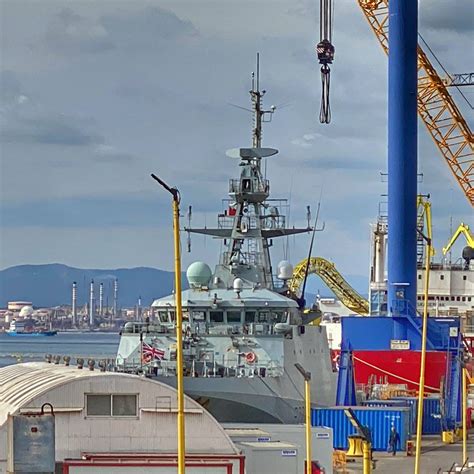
421,387
464,415
179,322
307,397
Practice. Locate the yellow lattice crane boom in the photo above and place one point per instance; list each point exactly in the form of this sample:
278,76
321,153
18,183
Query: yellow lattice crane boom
436,107
464,230
333,279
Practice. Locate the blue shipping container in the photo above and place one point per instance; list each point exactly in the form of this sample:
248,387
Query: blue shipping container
378,419
396,403
431,413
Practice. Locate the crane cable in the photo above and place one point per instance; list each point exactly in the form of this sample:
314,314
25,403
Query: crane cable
325,52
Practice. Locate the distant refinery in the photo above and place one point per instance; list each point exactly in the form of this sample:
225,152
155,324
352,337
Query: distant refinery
95,314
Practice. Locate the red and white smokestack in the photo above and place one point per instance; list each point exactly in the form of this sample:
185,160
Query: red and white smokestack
91,304
74,303
101,299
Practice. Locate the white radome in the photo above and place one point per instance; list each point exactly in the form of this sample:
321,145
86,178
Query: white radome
285,270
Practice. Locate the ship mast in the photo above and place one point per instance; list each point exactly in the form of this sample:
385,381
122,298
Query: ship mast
252,220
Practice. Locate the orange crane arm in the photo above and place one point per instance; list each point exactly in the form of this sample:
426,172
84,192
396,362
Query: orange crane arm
436,107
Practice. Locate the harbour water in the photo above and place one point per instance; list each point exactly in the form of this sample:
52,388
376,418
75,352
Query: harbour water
88,344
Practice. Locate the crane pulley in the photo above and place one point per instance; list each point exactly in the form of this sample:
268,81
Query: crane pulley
325,52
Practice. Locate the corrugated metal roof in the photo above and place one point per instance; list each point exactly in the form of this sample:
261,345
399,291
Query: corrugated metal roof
21,383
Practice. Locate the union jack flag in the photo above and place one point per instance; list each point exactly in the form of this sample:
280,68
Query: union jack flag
152,352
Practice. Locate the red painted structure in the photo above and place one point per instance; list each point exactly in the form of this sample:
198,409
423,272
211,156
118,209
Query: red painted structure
400,367
234,464
397,367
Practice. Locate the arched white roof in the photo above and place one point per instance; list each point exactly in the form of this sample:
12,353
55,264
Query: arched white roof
23,386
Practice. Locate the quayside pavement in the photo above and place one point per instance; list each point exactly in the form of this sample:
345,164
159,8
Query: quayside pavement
436,457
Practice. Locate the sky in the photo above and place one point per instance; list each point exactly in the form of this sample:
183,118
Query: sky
95,96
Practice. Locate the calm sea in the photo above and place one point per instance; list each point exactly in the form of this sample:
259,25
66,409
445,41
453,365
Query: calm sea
31,348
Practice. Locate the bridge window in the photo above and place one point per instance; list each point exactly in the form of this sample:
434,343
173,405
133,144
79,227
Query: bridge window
217,316
441,277
198,315
249,316
163,316
233,316
464,277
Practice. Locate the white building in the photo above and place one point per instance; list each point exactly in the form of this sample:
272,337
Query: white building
105,412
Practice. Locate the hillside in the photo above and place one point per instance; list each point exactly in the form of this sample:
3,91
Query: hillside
50,284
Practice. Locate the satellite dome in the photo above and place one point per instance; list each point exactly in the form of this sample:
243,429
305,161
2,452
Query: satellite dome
238,285
26,311
285,270
198,274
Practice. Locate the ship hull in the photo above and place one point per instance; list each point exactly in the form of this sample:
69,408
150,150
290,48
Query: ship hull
249,400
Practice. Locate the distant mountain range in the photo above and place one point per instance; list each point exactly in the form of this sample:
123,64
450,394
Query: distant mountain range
50,284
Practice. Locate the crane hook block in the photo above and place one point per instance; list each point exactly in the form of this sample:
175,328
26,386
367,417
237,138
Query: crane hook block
325,51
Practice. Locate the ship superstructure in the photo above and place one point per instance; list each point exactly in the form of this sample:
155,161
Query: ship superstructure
243,333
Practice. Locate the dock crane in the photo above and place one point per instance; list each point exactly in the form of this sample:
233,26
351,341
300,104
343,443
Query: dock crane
436,107
468,251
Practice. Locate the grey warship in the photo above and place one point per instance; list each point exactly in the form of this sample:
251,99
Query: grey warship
243,331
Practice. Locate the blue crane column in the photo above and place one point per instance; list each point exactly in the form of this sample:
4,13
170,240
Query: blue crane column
402,157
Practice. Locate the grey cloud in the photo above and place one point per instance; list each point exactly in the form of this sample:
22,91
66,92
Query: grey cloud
10,88
444,15
145,27
60,130
69,33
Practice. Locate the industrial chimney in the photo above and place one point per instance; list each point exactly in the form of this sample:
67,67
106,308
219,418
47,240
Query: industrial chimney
74,303
115,298
91,304
101,299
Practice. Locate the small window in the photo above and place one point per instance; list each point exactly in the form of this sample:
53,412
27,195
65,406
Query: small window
233,316
419,277
98,405
198,315
217,316
124,405
111,405
458,298
464,298
464,277
441,277
249,316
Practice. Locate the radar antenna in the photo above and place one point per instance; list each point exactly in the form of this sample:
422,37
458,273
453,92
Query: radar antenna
259,114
